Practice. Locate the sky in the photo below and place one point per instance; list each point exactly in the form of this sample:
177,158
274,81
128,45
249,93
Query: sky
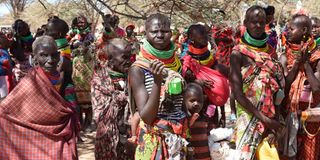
3,9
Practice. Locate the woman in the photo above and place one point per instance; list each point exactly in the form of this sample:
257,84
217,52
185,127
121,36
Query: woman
35,120
255,79
302,65
162,129
109,102
82,65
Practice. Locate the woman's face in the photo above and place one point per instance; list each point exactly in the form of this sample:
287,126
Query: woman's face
295,33
199,39
23,29
129,31
120,60
57,29
53,31
158,34
47,57
256,23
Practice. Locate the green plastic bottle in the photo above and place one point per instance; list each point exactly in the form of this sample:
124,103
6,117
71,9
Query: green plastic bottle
175,86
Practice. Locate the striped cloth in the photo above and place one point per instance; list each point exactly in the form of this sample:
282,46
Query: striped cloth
199,136
165,111
36,122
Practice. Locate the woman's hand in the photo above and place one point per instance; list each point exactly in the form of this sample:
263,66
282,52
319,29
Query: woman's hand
156,68
304,55
275,126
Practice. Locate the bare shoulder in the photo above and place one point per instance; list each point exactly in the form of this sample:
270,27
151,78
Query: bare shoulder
136,75
235,58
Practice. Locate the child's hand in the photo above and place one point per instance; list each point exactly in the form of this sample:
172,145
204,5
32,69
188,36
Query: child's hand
193,118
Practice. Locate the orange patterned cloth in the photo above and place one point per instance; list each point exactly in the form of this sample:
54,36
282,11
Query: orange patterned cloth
308,147
298,84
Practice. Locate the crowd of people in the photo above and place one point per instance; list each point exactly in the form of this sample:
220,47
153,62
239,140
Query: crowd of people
159,96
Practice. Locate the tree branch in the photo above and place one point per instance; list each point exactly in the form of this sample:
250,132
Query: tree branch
95,7
44,6
120,13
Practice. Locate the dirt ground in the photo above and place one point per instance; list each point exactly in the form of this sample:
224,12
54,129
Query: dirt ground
86,148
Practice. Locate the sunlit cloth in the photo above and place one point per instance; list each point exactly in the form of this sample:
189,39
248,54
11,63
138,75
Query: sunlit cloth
36,122
259,86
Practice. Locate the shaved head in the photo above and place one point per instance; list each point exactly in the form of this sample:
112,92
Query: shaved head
160,17
254,10
302,21
42,42
118,54
116,45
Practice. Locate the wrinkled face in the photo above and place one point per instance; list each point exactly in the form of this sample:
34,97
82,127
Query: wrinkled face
256,23
193,101
120,60
158,34
315,28
82,23
295,33
47,57
200,39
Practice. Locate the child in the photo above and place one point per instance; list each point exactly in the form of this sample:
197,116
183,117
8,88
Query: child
5,65
200,123
193,100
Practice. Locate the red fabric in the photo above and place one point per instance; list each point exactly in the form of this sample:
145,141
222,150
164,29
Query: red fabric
309,147
10,82
36,122
219,94
224,47
120,32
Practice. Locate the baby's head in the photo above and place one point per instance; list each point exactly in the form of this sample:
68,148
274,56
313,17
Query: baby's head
193,98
